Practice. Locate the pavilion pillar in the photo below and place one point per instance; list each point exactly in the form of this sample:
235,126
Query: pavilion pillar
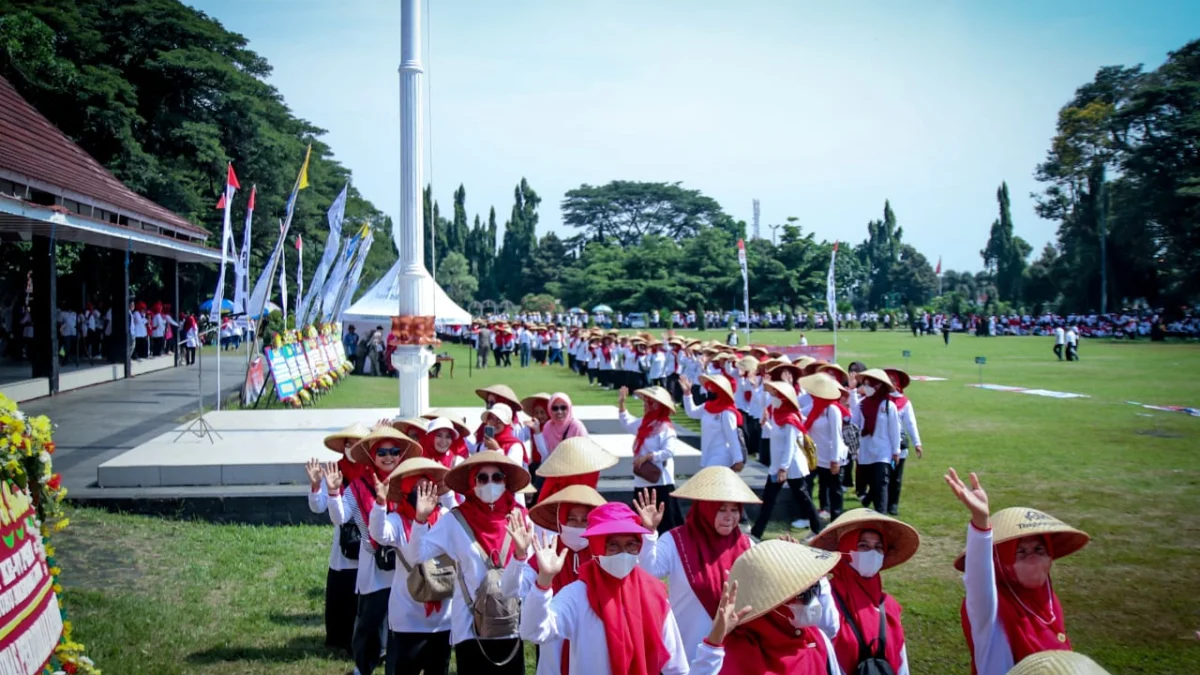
172,292
120,345
44,306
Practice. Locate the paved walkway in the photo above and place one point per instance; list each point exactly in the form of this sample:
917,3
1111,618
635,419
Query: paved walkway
96,423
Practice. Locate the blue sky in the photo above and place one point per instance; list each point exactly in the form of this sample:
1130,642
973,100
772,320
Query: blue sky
820,110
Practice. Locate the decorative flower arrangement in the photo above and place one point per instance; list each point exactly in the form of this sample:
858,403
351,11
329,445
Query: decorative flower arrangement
26,449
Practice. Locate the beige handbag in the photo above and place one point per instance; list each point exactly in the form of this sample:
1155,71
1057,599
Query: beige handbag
430,581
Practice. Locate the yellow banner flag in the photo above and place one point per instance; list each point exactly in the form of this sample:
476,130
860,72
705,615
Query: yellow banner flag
302,181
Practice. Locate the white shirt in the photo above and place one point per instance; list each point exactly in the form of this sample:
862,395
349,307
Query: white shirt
660,445
318,502
884,444
785,451
406,615
908,421
518,580
1060,336
569,616
158,326
68,323
658,365
993,654
826,434
344,509
718,435
631,360
1072,338
449,537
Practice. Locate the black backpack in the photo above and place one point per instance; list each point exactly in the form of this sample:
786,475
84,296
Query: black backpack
349,539
868,663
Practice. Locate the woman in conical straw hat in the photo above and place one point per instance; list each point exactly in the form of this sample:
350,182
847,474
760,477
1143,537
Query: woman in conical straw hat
879,445
501,395
1011,609
1057,663
776,584
869,543
563,516
654,442
911,436
785,428
379,452
615,616
340,599
719,422
443,443
576,461
420,631
474,536
695,557
823,423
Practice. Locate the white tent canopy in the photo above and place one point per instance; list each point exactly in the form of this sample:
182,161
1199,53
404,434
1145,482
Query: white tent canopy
381,303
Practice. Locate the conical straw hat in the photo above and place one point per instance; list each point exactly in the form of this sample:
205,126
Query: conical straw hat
813,366
360,452
784,391
900,539
658,395
516,477
415,465
500,391
409,426
1055,662
339,441
1019,521
879,376
795,370
775,571
717,484
576,456
836,372
804,362
528,490
748,364
529,402
502,413
720,382
545,514
821,386
457,421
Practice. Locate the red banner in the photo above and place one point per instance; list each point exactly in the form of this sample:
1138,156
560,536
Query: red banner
30,623
793,352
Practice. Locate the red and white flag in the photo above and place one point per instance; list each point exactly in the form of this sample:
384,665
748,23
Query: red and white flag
231,186
830,286
939,266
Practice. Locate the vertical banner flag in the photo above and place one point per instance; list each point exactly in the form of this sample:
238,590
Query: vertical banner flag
939,266
283,283
264,286
231,185
332,292
745,285
355,275
241,273
299,277
310,306
831,297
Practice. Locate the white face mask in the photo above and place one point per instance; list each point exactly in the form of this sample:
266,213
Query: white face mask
868,390
619,564
866,563
490,493
573,538
804,616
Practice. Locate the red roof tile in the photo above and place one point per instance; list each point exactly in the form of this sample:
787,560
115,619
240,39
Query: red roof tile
33,147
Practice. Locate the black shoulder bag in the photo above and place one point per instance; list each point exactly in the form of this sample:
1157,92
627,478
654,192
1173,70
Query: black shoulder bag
868,663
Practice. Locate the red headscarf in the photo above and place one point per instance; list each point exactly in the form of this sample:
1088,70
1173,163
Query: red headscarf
818,410
489,522
785,413
555,484
723,402
769,645
633,610
363,488
446,459
1023,612
870,410
705,554
651,422
408,514
861,597
899,399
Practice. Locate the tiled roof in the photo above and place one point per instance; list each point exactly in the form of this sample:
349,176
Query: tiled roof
33,147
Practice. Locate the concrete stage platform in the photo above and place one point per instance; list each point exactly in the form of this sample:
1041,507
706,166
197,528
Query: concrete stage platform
270,447
16,384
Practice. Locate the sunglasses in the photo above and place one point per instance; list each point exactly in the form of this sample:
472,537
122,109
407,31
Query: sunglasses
387,452
485,478
559,408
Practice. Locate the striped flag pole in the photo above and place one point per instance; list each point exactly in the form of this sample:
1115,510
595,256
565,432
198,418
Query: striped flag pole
831,297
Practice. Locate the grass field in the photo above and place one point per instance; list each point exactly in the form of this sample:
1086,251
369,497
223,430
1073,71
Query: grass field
156,596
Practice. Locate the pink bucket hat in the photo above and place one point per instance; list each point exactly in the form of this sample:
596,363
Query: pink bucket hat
613,518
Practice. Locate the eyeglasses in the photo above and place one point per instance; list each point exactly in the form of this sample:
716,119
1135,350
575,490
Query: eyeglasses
559,408
484,478
387,452
808,594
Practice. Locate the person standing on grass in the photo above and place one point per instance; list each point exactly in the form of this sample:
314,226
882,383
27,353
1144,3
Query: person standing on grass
785,427
473,535
1072,344
824,426
1060,340
909,435
879,444
418,638
616,616
1010,610
870,619
377,455
556,345
654,445
719,422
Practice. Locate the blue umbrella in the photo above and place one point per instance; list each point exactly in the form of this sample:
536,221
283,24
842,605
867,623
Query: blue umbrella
602,309
226,305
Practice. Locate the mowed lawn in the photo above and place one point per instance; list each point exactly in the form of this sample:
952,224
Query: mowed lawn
157,596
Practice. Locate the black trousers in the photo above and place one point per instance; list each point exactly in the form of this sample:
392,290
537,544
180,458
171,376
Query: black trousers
878,478
674,388
412,653
799,495
894,484
341,608
753,429
848,473
764,451
831,491
370,630
1058,351
480,656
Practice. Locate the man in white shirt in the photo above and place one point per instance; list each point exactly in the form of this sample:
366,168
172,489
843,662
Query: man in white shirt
68,327
1060,339
524,338
1072,344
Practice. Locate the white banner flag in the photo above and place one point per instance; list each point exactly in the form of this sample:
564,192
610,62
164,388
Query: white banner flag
310,305
337,279
231,186
283,284
355,276
745,286
241,273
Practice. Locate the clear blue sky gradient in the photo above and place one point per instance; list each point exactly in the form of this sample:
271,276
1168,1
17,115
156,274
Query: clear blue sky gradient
820,110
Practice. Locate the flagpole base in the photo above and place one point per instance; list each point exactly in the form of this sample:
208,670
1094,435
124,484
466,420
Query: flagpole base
413,362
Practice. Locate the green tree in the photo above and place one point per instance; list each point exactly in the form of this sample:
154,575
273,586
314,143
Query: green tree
519,243
454,276
913,276
1005,254
879,254
545,270
626,211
